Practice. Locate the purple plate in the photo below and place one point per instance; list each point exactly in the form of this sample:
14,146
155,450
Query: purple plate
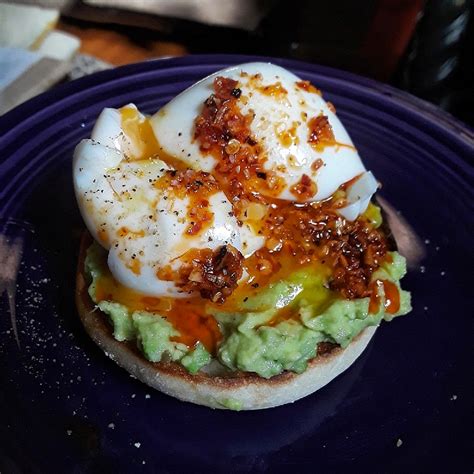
404,406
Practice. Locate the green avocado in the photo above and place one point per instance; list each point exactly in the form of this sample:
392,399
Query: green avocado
252,346
252,341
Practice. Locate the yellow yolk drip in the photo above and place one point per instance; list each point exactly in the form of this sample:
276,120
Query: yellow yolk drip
140,133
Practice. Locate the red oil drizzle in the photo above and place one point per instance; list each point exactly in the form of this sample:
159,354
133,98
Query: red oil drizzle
188,315
392,297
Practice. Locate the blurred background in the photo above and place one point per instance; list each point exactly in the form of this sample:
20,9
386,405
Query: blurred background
425,47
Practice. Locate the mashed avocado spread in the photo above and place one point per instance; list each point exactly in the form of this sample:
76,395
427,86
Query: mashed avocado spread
254,339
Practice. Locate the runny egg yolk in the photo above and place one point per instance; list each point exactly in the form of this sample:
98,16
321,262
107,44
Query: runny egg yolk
139,132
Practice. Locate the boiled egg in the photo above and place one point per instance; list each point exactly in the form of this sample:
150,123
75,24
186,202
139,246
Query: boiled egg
291,123
139,209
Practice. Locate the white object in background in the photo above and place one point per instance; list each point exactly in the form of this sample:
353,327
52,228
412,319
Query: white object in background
24,26
24,74
245,14
59,45
32,56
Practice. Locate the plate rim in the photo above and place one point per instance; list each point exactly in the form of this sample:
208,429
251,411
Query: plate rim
415,105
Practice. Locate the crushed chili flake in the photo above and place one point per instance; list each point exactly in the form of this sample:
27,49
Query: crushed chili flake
331,107
308,87
185,182
305,189
200,214
316,165
221,119
274,90
223,131
213,273
357,251
224,87
320,133
236,92
198,186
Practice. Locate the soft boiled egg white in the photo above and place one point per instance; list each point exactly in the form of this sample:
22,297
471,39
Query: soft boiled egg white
282,111
139,218
129,212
